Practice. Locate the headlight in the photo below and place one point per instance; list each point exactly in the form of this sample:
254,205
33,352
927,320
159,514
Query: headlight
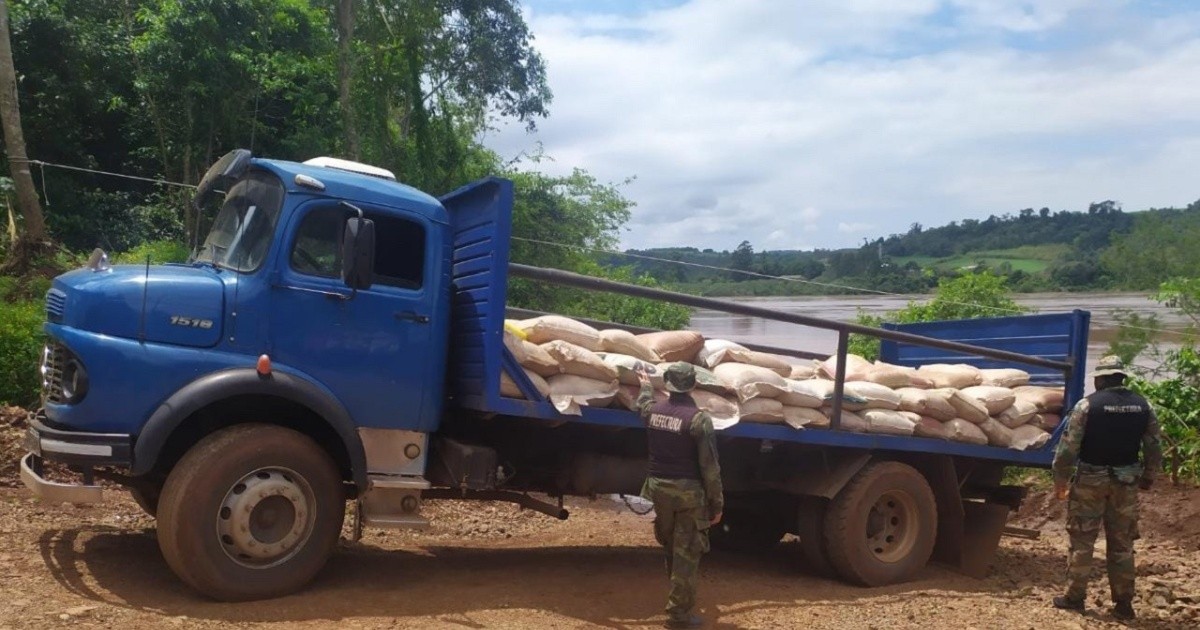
74,381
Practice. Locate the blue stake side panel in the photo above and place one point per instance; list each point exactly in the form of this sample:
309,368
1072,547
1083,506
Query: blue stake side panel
1058,336
481,216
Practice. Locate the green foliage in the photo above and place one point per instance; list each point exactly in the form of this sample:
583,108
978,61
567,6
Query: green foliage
560,222
968,296
20,351
1173,385
1176,402
158,252
1162,245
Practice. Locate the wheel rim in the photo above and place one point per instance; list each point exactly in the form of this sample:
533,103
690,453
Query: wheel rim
266,517
892,526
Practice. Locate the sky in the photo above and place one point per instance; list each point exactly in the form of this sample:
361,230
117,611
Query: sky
801,125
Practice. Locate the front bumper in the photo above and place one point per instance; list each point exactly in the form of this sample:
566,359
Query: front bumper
79,450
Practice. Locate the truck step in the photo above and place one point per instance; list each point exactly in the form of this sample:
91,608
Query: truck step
401,521
389,482
393,502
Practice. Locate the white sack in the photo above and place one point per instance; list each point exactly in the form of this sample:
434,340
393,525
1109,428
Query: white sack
968,408
959,430
568,392
1005,377
573,359
1029,437
996,399
888,422
958,375
548,328
508,387
625,342
674,345
751,381
800,417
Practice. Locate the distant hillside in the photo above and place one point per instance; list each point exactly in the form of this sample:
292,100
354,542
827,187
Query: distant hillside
1035,249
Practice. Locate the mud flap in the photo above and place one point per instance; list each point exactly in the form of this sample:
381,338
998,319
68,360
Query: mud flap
983,523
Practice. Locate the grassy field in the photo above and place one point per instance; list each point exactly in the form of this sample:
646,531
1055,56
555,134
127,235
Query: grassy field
1027,258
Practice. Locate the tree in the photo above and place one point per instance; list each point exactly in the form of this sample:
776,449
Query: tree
34,227
742,259
345,68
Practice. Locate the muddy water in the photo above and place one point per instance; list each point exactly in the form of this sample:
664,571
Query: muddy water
756,330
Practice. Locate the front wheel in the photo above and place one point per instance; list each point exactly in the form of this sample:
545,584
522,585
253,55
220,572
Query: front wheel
251,512
881,528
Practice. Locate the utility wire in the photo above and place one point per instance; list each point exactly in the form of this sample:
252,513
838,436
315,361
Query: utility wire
594,250
98,172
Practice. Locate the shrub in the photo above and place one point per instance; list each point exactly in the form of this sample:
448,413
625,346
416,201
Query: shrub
159,252
20,351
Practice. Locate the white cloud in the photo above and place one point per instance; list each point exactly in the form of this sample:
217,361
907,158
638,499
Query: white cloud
854,228
880,113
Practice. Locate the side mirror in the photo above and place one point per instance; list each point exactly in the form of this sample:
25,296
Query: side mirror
358,253
222,174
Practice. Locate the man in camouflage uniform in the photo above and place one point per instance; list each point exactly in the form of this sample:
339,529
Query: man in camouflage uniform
1100,445
684,483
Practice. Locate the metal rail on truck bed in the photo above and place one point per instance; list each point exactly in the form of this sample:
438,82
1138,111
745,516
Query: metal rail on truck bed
480,274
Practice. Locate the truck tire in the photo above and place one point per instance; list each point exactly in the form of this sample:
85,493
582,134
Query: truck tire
251,512
810,527
746,531
881,528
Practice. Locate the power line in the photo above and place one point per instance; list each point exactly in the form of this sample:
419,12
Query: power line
81,169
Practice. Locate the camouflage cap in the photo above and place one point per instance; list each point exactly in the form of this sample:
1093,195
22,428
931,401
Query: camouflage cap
679,377
1109,365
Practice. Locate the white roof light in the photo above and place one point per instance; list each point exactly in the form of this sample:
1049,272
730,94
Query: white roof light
353,167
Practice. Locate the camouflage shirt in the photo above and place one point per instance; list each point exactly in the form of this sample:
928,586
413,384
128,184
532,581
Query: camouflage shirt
706,445
1066,455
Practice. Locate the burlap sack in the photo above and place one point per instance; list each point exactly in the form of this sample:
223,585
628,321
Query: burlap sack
625,342
889,375
718,351
888,422
997,434
1029,437
876,396
928,402
1046,398
958,375
968,408
548,328
1005,377
573,359
856,367
803,371
674,345
508,387
850,421
764,410
724,413
626,367
800,417
1046,421
959,430
931,428
751,381
569,392
535,359
1020,413
996,399
803,394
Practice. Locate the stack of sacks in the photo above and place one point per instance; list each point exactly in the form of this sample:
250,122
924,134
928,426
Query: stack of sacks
576,365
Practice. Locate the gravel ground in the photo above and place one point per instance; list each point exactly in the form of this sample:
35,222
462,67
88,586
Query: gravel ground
484,565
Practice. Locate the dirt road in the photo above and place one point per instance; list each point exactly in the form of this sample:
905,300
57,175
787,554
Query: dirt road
492,566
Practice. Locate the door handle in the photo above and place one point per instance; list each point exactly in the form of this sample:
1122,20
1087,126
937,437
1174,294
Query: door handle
412,316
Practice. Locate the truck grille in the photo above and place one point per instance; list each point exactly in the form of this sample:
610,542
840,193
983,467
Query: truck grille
56,305
54,359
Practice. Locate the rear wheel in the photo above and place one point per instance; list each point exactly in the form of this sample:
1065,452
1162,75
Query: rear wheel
743,530
881,528
251,512
810,527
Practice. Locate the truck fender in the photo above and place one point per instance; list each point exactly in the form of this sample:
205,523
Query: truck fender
216,386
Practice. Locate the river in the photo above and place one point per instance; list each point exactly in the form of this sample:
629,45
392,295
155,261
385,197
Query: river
721,325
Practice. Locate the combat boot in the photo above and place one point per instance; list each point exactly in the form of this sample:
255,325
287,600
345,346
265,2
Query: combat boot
690,621
1067,603
1123,610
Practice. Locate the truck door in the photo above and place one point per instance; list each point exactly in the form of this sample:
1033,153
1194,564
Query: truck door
370,348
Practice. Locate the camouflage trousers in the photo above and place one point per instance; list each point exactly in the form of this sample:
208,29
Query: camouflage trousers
681,527
1097,496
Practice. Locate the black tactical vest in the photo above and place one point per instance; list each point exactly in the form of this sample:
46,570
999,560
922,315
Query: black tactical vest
1117,419
673,450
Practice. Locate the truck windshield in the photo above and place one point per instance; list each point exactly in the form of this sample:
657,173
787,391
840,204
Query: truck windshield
242,232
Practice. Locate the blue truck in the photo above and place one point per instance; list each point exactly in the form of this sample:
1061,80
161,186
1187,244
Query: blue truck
338,337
